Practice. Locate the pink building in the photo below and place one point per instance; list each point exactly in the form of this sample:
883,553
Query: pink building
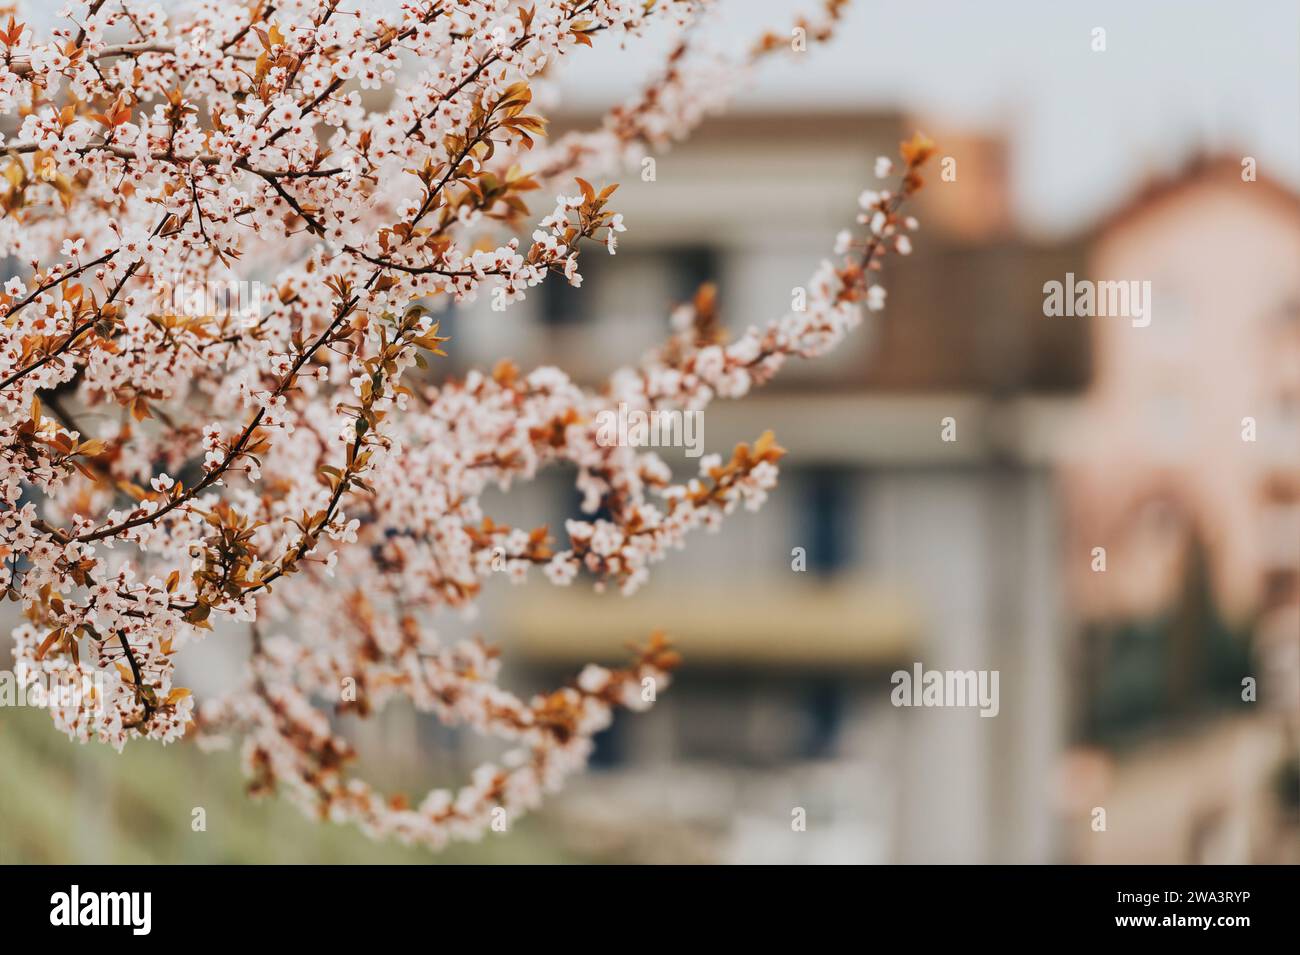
1184,468
1192,424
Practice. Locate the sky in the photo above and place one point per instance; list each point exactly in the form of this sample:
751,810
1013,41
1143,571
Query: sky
1177,76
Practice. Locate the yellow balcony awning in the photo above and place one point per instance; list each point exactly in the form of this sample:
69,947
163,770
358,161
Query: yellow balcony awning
811,625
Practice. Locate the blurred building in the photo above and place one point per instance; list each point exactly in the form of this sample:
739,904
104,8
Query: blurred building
917,549
959,555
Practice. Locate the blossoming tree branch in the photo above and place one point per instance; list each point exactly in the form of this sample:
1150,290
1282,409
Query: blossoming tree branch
170,475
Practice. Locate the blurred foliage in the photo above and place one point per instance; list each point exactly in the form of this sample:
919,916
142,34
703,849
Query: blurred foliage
61,802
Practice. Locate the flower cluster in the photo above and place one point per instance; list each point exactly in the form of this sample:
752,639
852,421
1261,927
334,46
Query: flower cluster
288,468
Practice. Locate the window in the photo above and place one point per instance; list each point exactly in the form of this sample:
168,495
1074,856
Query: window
690,267
560,303
673,275
828,519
